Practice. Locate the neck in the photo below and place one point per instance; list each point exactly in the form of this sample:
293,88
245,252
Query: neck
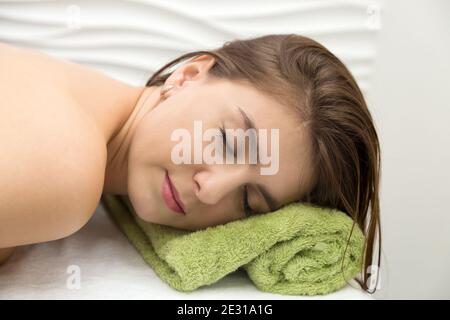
116,174
115,108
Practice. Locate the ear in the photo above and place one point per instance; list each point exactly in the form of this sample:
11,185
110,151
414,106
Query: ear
195,69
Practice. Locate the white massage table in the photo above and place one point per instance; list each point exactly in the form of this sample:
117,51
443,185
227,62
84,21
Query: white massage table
110,268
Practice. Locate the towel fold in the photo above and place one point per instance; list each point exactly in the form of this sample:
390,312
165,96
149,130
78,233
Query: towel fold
296,250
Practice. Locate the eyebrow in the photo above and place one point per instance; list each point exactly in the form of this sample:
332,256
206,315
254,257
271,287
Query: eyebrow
268,198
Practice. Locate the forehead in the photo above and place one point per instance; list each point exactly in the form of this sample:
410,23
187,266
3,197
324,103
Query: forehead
294,173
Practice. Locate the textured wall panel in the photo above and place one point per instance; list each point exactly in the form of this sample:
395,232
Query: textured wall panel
129,40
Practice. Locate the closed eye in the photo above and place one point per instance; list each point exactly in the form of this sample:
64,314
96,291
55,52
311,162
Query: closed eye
225,141
245,205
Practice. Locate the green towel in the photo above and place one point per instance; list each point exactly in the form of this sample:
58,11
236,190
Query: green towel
296,250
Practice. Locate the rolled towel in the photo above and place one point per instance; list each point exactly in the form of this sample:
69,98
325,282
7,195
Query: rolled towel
295,250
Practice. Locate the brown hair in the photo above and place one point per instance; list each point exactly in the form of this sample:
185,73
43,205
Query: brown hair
303,74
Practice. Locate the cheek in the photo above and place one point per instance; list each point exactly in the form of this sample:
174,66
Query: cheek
142,191
151,142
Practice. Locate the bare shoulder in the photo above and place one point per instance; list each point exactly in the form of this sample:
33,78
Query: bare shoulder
17,61
52,180
54,156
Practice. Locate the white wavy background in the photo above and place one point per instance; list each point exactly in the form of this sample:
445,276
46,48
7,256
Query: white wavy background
129,40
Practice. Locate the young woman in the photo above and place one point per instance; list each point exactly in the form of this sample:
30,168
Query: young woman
70,133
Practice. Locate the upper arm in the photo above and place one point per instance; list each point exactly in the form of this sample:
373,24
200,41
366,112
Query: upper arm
51,180
40,202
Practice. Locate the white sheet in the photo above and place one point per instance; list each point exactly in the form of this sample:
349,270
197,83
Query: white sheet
110,268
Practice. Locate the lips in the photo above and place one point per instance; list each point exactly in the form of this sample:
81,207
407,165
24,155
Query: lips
170,195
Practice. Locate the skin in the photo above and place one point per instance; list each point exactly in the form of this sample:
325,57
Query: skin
54,156
131,130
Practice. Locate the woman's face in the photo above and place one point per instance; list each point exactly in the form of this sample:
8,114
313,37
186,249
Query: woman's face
212,193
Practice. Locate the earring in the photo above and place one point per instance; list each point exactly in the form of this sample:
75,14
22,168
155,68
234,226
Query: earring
165,89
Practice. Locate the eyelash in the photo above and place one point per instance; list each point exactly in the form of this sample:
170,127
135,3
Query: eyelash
224,137
245,205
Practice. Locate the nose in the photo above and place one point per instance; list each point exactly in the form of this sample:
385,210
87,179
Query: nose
215,182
